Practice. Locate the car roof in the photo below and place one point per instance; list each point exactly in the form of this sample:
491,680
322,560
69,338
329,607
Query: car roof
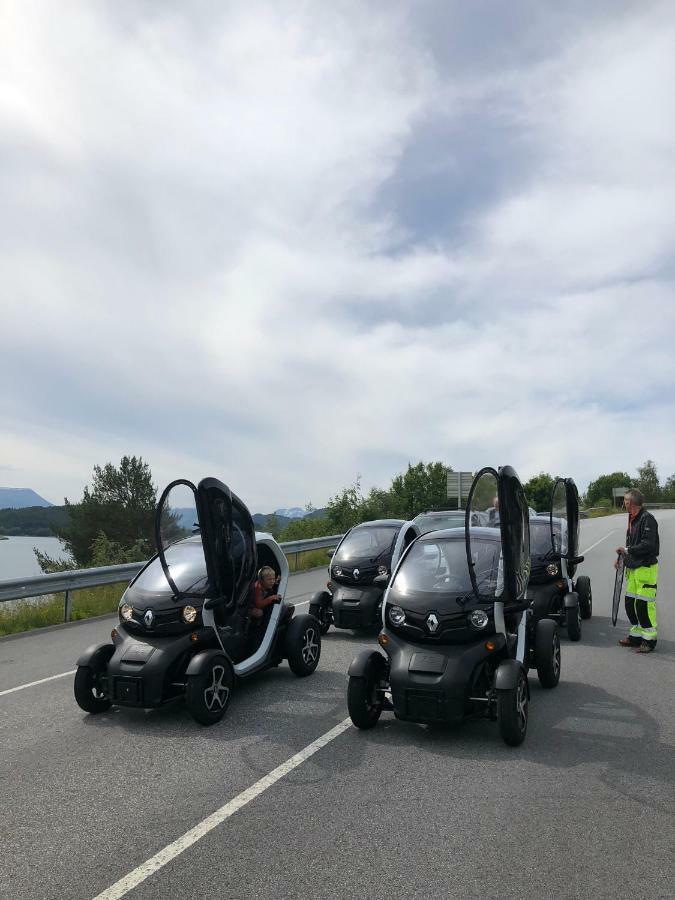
375,523
493,534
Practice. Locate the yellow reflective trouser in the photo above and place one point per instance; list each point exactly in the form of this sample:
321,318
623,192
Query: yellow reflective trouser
641,601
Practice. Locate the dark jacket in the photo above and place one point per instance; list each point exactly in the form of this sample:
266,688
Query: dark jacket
642,541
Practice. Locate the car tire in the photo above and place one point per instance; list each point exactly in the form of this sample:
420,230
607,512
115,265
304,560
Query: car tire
87,694
363,703
547,659
303,645
512,712
573,622
320,613
208,693
583,588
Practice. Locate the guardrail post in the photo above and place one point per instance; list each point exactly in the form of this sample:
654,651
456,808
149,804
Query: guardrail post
67,606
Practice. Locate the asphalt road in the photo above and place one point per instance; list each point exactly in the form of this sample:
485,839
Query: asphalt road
582,809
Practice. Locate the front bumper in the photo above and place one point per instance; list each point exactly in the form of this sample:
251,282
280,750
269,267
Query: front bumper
151,672
356,607
433,684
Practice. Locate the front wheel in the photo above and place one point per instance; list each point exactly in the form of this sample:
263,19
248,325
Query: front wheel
512,712
585,596
303,645
320,613
547,653
88,694
364,701
207,694
573,622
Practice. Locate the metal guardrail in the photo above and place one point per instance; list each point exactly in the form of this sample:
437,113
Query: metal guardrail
76,579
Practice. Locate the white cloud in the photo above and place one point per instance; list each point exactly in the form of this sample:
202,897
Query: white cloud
198,267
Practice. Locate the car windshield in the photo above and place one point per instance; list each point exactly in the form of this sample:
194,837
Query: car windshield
540,535
438,521
441,566
370,542
187,567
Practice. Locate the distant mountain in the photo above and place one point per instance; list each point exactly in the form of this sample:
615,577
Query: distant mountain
293,512
20,498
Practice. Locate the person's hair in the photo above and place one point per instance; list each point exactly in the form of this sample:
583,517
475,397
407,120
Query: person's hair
635,496
266,570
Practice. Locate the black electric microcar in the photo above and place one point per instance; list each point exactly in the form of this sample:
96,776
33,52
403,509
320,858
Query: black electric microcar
359,572
457,630
554,547
188,624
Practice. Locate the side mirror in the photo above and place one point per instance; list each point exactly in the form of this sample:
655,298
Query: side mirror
574,560
329,553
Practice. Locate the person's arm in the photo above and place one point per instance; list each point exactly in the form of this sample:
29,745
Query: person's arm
261,601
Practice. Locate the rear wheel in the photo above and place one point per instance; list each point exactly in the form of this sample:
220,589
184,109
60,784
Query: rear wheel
547,653
585,596
364,701
512,712
303,645
207,694
573,622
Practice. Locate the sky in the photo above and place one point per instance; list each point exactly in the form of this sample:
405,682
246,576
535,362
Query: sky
287,244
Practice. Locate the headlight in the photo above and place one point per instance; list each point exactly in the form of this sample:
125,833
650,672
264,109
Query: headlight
337,571
552,569
478,618
126,612
396,615
189,614
382,570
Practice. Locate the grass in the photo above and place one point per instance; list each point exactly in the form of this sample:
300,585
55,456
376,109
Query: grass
601,511
38,612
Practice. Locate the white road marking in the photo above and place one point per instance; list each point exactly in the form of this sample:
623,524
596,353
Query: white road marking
22,687
584,552
171,851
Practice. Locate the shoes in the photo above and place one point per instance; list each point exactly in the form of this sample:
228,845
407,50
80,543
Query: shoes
645,648
629,642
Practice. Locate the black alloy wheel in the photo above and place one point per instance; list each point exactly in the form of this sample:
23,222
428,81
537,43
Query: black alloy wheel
207,694
364,700
321,614
303,646
88,693
512,712
547,657
585,593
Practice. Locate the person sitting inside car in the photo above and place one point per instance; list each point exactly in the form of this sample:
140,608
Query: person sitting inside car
264,592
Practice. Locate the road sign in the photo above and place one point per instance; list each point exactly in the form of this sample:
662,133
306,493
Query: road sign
459,484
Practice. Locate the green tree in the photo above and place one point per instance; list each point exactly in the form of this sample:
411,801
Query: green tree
120,505
538,491
668,493
345,508
422,486
601,488
648,481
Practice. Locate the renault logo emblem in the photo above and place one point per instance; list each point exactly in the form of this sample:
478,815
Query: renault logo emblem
149,618
356,574
432,622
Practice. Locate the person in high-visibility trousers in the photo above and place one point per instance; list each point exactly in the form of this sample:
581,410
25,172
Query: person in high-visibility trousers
640,559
